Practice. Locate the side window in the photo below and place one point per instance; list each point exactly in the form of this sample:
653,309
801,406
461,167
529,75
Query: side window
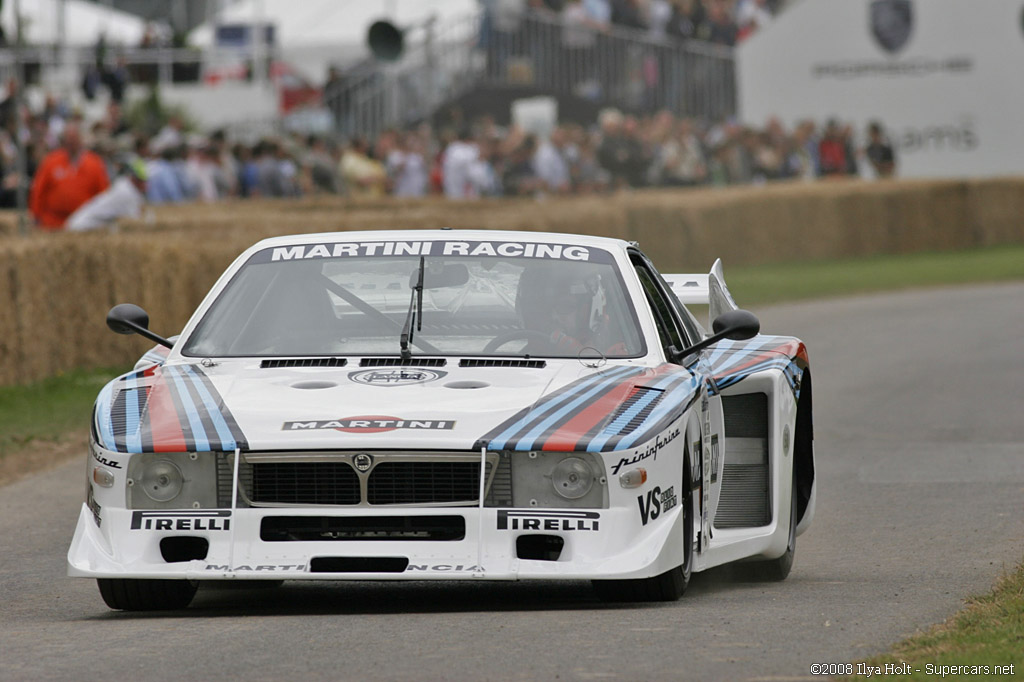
662,309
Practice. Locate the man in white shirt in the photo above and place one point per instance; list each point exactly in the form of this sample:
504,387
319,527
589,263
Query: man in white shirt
457,167
407,168
123,199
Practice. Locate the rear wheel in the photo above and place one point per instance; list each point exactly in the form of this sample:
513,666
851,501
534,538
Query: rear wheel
127,594
668,586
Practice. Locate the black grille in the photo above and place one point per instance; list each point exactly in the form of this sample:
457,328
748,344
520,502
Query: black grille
304,362
424,482
528,364
304,483
399,362
363,528
358,564
642,392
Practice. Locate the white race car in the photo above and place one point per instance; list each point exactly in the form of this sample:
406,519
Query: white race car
456,405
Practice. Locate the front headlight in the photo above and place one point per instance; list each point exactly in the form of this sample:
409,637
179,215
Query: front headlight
161,480
558,479
572,478
176,480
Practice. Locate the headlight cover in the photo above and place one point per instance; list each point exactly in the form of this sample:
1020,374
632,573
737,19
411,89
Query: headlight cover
558,479
178,480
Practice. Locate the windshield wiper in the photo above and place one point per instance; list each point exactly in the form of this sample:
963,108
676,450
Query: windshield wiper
415,311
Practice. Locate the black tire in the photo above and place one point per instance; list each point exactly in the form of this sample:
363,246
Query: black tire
668,586
125,594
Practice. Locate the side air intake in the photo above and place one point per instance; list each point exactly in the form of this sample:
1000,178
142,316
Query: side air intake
744,499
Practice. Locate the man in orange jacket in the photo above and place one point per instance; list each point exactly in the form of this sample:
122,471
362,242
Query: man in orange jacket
68,177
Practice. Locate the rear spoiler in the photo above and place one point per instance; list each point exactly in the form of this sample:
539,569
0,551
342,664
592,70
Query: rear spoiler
706,289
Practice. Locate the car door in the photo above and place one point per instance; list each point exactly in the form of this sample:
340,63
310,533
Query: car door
677,331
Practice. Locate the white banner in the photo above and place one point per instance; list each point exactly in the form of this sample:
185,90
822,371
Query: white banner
942,76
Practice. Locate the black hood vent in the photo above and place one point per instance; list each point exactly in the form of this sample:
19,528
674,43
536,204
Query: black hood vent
304,362
511,362
399,362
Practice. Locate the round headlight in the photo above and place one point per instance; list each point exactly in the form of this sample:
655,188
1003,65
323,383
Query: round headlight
161,480
572,478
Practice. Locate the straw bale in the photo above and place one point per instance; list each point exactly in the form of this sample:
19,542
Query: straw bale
55,290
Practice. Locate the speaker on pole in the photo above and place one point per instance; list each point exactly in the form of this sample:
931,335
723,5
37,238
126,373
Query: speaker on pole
386,41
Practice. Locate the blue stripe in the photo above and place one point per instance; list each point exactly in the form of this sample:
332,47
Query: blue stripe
502,439
227,439
746,372
719,350
103,410
615,427
659,413
132,434
200,442
527,441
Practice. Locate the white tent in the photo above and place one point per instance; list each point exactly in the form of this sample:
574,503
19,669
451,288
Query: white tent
314,34
329,22
84,22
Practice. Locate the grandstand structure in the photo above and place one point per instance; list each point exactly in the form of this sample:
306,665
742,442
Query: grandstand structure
469,63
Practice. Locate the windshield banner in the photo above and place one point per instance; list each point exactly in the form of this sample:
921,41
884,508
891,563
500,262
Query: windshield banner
446,248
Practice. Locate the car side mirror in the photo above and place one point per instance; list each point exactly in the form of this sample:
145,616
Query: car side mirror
735,325
128,318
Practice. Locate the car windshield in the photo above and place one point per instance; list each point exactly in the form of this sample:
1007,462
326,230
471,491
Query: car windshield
547,300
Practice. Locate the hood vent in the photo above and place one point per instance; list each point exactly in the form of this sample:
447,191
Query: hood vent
399,362
304,362
514,362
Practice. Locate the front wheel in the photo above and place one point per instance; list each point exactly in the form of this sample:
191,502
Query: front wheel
126,594
668,586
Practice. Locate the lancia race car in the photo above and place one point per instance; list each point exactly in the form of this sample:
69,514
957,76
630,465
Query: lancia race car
448,405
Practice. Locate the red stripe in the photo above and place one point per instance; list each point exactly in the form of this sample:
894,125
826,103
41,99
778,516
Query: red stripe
568,436
570,433
163,419
789,349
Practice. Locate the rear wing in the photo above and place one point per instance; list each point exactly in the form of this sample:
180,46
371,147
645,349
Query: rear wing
709,290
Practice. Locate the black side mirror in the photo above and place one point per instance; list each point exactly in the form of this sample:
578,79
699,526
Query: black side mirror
736,325
128,318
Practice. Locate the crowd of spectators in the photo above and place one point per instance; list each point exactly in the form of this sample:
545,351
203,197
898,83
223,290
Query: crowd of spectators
103,169
724,22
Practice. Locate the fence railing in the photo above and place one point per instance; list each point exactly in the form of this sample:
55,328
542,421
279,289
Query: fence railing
620,67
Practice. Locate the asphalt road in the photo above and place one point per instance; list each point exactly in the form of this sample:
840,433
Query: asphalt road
920,447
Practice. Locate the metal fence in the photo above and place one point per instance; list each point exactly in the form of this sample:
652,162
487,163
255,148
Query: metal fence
621,67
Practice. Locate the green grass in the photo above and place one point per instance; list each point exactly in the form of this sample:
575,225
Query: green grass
988,632
47,410
762,284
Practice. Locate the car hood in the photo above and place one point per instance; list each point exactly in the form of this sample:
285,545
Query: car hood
240,403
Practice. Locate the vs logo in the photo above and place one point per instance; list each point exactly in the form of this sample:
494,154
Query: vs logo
655,503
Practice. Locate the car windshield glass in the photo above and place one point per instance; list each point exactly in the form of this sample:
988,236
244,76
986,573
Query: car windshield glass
293,301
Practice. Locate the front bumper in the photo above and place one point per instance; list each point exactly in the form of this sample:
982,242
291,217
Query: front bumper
600,543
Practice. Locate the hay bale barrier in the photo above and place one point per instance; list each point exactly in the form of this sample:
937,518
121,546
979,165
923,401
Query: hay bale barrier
55,289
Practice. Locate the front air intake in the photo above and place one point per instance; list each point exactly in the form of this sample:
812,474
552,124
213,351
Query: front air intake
361,564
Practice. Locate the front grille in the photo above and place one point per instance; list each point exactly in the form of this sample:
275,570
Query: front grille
395,478
305,483
423,482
